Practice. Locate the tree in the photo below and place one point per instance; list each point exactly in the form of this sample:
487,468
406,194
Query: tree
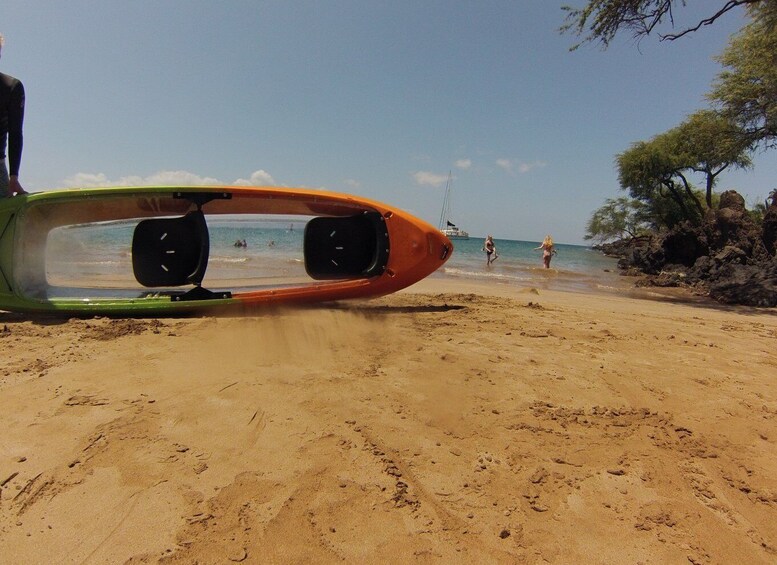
616,219
656,172
665,213
653,170
746,91
600,21
708,142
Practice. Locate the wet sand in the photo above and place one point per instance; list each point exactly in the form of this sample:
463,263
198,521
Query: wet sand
443,424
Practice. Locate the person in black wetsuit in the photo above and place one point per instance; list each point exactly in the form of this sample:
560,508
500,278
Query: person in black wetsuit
11,120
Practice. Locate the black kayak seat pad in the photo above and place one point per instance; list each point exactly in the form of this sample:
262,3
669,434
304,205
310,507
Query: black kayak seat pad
345,247
171,251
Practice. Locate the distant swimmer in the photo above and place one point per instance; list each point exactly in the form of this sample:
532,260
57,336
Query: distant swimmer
548,250
490,248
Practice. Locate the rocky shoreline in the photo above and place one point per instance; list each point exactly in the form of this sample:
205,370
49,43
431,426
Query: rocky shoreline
729,257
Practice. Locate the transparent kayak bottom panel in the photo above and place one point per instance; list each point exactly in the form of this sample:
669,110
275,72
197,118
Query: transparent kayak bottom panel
95,259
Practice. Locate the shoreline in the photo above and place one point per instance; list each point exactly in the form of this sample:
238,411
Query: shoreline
449,422
666,295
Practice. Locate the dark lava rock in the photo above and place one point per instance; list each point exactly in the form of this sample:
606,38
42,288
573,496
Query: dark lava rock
728,255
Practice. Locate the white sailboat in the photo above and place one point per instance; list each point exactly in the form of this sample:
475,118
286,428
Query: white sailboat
447,227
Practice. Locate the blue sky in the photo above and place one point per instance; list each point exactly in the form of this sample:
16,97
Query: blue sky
376,98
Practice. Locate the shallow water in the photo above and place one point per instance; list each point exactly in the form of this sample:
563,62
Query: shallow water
573,268
101,254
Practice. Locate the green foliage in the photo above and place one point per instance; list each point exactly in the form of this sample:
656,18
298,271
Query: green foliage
757,212
599,21
643,167
759,209
708,142
746,91
656,173
665,212
630,217
617,219
652,172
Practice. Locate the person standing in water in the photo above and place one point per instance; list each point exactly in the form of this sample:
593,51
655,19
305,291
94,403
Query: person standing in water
11,119
548,250
490,248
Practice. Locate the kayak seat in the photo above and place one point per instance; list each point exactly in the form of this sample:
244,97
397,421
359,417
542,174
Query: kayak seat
346,247
171,251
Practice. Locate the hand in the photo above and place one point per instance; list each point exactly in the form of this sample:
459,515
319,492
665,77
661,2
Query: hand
14,187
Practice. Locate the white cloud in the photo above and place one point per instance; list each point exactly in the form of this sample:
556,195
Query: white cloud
86,180
170,178
258,178
526,167
353,183
506,164
463,164
427,178
164,178
523,167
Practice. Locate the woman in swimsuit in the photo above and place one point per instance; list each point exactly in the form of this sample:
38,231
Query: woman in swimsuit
547,250
490,248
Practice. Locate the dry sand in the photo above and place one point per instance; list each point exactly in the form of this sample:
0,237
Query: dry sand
431,426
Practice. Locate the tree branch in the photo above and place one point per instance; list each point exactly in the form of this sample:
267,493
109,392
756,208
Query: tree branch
731,4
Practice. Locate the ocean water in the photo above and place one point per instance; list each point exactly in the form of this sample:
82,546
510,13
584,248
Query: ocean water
100,256
573,268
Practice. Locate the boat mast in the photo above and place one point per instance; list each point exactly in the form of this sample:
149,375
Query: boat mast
446,205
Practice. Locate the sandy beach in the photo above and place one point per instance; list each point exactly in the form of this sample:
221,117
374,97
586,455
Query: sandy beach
443,424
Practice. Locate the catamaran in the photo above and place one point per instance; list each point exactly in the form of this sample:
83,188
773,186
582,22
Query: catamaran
446,226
